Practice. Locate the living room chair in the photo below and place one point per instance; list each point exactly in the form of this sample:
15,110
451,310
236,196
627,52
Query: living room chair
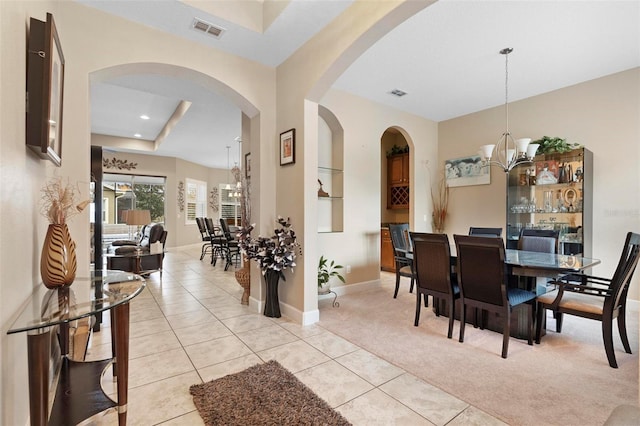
207,246
217,240
600,299
482,278
401,255
485,232
230,245
432,267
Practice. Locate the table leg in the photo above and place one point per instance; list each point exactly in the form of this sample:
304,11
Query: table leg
38,349
121,314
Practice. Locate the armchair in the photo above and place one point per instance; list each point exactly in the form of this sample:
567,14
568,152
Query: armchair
600,299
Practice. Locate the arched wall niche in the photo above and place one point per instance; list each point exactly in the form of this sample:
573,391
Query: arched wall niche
330,172
395,136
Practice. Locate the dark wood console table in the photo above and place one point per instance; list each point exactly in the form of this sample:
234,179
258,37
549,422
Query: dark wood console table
79,394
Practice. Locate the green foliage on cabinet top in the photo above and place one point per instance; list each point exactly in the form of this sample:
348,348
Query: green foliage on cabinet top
549,145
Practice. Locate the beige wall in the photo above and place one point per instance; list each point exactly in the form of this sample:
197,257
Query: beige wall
301,81
364,123
603,115
175,170
87,50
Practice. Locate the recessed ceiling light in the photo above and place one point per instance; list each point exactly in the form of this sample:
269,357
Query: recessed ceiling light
397,92
144,117
138,135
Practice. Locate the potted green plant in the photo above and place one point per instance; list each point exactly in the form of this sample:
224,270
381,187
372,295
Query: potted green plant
326,270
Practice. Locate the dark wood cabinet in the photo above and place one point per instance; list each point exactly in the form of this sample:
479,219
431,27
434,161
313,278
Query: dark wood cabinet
387,262
398,169
398,181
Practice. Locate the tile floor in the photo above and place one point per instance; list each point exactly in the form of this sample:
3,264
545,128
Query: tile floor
189,327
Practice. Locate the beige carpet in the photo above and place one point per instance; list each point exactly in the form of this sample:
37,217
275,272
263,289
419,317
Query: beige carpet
265,394
565,380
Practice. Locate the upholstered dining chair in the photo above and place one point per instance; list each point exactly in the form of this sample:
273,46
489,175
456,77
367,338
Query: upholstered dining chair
483,285
404,263
600,299
540,240
485,232
432,266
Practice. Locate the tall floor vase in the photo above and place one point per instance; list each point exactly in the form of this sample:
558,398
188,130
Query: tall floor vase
58,260
272,304
243,276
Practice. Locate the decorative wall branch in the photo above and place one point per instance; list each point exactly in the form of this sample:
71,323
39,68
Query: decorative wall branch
181,196
213,199
116,163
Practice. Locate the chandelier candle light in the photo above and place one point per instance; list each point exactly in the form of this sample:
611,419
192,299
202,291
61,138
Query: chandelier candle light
508,152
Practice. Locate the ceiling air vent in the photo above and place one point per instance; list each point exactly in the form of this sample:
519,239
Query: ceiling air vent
206,27
397,92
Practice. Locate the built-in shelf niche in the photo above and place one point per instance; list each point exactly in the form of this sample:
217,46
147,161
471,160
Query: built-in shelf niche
330,172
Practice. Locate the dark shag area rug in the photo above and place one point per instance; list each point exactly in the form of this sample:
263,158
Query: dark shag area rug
265,394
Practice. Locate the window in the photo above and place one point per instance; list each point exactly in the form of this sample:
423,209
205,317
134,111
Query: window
127,192
196,200
229,205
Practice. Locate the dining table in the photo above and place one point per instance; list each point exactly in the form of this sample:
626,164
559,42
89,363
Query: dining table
540,266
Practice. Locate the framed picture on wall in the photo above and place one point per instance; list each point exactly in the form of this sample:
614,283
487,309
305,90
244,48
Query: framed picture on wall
466,171
45,86
247,165
288,147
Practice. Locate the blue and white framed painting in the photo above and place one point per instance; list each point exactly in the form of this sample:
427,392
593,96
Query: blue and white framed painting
466,171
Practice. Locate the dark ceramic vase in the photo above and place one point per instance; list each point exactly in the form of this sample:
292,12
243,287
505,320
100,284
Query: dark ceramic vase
272,304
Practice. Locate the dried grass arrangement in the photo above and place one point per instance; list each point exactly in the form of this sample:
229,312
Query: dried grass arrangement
440,202
59,201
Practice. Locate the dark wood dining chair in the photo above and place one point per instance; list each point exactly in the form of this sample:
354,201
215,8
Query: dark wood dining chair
403,261
600,299
432,267
482,278
485,232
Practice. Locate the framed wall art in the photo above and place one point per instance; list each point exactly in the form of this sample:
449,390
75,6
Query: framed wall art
466,171
247,165
288,147
45,87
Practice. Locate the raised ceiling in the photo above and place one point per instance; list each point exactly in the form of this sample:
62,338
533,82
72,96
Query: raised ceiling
445,57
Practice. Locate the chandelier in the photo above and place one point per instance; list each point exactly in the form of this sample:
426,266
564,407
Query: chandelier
507,152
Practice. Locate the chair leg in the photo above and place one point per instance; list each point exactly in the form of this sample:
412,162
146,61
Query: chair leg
411,287
462,321
395,293
505,333
622,328
607,336
418,295
532,319
558,322
452,314
540,313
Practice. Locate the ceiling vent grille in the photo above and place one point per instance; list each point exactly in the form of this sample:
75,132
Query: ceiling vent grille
206,27
397,92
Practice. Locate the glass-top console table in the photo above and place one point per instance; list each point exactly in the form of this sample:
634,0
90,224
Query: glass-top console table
78,394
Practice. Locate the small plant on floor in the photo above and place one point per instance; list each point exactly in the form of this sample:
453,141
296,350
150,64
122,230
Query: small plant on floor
327,270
